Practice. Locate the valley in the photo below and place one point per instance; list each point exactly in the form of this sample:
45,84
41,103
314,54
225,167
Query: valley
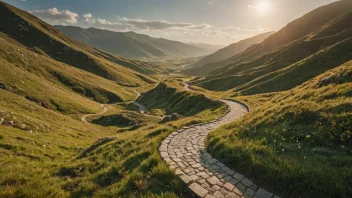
96,112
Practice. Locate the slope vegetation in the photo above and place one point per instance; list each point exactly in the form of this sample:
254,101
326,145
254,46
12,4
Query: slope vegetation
25,30
46,150
290,64
171,97
282,140
133,45
37,71
204,66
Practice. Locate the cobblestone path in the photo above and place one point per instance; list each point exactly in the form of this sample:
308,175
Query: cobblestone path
185,152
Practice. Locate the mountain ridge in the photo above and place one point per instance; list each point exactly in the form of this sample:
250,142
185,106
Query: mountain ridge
42,38
204,65
264,59
132,44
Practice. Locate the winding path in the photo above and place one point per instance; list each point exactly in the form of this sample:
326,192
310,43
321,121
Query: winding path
186,86
141,109
184,151
105,110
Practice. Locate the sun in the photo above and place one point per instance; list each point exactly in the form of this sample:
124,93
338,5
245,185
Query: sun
263,7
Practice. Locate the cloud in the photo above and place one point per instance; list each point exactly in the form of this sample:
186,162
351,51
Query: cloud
201,26
87,16
153,24
242,30
105,24
172,29
142,24
211,2
56,16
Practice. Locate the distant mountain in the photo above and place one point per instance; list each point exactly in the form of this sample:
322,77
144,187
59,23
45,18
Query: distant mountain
44,39
133,45
209,47
57,72
201,67
307,47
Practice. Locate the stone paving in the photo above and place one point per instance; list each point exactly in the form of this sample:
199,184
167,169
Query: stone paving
185,152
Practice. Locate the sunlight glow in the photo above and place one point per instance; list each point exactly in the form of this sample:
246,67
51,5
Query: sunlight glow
263,7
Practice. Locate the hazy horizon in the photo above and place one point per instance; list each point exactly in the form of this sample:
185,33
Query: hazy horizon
217,22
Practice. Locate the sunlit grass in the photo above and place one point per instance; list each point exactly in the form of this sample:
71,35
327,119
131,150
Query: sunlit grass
299,139
70,159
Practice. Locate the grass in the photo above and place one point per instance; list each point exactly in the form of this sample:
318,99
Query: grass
36,71
66,158
47,82
25,30
289,57
302,71
286,70
119,117
281,142
223,56
171,97
31,149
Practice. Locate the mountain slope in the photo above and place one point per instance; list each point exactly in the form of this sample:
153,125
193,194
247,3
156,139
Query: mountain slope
24,29
133,45
52,84
201,67
209,47
292,133
293,32
331,39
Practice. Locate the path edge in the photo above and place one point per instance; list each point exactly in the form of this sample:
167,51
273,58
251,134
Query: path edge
186,127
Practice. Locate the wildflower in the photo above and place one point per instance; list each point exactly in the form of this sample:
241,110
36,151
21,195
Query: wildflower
308,136
304,157
283,150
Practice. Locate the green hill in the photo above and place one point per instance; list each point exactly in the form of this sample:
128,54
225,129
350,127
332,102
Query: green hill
133,45
24,29
171,98
295,142
52,83
274,70
300,139
204,65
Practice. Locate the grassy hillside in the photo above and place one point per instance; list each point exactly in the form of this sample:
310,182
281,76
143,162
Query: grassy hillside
38,71
133,45
301,27
280,142
43,149
284,71
202,66
209,47
23,29
33,141
297,31
287,66
171,97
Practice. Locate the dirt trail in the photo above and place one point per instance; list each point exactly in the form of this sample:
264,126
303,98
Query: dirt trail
141,109
105,110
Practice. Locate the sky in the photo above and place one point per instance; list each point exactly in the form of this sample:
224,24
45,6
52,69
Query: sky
199,21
